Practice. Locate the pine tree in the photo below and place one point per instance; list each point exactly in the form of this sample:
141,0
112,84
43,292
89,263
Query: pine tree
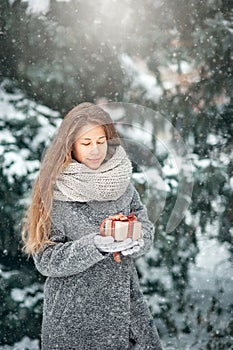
25,129
54,60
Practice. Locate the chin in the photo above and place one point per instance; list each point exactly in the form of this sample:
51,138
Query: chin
94,166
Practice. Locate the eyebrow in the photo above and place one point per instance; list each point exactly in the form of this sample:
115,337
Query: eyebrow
87,138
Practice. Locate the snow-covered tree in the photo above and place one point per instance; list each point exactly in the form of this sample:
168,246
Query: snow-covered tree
25,129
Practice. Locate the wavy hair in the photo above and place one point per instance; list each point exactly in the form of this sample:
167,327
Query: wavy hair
37,221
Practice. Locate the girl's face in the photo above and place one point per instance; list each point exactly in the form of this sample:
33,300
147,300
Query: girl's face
90,147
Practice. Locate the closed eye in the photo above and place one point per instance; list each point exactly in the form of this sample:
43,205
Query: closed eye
87,144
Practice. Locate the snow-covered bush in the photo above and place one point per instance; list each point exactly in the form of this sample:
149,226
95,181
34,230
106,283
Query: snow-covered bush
25,129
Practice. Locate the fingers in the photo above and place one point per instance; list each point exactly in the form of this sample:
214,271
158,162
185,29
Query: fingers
141,242
107,244
126,247
138,245
102,240
127,243
118,246
131,251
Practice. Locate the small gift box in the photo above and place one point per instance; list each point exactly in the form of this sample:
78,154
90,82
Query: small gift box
121,227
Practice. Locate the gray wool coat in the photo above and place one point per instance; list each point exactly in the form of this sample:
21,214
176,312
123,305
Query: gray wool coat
90,301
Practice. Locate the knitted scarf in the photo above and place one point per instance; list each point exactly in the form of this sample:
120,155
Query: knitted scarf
79,183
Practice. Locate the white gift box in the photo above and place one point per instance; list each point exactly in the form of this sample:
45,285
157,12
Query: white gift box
120,228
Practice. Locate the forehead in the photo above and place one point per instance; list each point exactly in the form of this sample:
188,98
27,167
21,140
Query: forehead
91,131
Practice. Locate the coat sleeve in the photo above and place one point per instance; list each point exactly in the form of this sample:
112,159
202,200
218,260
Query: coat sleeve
147,227
66,257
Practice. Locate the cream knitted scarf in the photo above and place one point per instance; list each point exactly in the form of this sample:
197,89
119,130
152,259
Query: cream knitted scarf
79,183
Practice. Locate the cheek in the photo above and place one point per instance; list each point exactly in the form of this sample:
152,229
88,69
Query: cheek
105,148
79,153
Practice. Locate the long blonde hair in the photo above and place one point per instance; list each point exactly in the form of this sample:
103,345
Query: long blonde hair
37,222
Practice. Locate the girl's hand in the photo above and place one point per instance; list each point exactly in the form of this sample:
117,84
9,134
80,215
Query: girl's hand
135,249
108,245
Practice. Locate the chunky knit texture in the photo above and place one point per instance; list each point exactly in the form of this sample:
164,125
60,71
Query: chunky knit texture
90,301
77,182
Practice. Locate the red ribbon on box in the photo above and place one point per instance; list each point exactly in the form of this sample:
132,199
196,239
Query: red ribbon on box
119,217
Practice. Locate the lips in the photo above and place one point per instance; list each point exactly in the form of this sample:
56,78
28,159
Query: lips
94,160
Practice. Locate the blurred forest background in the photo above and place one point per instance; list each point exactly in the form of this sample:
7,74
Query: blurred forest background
170,56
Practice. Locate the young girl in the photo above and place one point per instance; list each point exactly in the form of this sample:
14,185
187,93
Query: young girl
90,300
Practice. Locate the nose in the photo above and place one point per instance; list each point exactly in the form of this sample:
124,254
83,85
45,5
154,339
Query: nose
94,148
